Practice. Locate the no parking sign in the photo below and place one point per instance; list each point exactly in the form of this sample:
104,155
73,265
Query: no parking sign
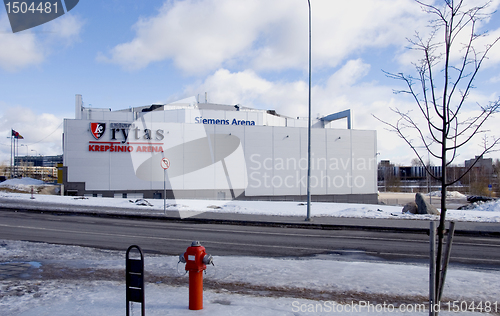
165,163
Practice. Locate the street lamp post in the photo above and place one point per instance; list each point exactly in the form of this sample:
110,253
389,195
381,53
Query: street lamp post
308,218
27,149
25,167
11,174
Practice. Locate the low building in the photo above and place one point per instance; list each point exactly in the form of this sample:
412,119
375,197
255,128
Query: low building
188,149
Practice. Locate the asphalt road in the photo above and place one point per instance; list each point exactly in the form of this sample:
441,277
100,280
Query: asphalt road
172,238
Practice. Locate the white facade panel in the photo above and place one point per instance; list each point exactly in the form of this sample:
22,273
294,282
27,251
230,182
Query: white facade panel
339,155
319,165
121,171
190,116
302,180
175,116
258,148
121,116
234,160
286,161
364,162
255,116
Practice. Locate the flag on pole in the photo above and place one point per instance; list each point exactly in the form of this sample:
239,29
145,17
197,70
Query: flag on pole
17,135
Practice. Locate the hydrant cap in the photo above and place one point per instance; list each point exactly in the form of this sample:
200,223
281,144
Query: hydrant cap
195,243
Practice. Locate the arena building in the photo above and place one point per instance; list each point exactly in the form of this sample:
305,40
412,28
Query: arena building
198,150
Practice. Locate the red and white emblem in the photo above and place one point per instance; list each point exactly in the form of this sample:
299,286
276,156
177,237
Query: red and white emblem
97,129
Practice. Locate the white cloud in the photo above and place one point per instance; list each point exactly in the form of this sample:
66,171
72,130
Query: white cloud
249,89
42,132
201,36
495,79
494,53
27,48
197,35
487,27
67,27
18,50
349,74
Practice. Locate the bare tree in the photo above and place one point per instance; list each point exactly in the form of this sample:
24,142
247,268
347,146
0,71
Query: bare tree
441,86
416,162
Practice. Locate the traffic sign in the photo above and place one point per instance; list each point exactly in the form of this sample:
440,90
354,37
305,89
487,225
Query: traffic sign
165,163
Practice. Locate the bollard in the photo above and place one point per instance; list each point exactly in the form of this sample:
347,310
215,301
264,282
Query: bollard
196,260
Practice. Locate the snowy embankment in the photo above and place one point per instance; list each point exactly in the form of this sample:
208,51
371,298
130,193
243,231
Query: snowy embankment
488,212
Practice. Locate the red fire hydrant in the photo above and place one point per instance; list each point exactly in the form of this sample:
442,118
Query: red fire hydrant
196,260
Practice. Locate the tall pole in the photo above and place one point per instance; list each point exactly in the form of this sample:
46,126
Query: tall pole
16,148
308,218
164,191
432,270
11,153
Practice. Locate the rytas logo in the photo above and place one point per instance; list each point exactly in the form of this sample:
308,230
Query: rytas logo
97,129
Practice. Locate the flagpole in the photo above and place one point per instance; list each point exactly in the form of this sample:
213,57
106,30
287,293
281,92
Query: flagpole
17,170
16,152
11,153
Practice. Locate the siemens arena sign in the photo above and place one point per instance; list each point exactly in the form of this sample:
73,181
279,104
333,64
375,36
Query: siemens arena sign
201,120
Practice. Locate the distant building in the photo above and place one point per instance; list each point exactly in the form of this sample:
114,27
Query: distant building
486,164
39,161
386,169
37,167
478,180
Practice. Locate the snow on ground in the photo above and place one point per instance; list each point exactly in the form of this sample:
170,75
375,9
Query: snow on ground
23,184
449,194
489,207
58,284
489,212
68,280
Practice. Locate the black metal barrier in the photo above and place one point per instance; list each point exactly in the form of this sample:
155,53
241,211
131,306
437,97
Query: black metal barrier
134,269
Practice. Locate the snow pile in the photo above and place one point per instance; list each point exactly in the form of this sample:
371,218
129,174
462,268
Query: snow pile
449,194
471,206
141,202
22,185
21,182
491,206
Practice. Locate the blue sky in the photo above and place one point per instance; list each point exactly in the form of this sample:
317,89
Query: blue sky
126,53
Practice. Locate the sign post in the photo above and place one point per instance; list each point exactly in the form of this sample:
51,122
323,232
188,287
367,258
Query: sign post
165,164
